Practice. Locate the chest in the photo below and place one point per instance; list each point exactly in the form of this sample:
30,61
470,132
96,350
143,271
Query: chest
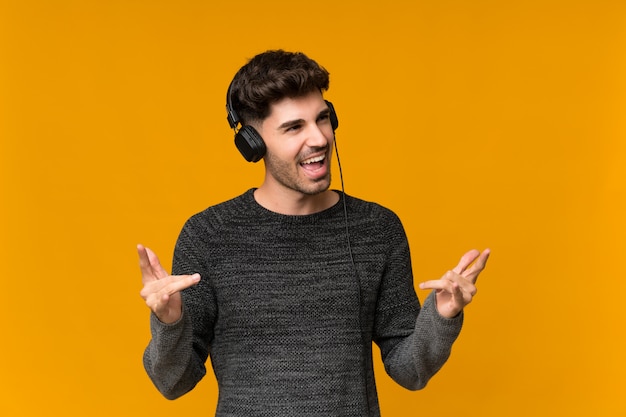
281,281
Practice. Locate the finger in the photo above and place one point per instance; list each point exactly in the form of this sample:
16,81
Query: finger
173,290
144,263
159,303
181,282
451,282
466,260
446,283
159,291
477,267
150,265
435,284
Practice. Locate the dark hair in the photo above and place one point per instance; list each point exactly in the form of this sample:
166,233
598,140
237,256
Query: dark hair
270,77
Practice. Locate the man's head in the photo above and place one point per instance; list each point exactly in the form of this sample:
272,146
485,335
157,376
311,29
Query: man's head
270,77
277,97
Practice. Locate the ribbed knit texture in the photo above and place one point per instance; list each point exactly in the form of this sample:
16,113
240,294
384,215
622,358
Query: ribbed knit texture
286,323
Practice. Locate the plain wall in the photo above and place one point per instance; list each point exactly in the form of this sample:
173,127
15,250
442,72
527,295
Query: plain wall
481,123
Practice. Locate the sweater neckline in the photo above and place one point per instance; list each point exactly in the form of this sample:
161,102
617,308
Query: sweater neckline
305,218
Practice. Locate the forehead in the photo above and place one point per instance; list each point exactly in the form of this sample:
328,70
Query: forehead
296,108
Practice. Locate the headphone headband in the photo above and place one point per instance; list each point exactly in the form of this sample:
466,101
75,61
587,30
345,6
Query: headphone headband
231,114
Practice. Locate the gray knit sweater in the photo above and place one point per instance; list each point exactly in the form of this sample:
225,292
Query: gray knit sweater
288,319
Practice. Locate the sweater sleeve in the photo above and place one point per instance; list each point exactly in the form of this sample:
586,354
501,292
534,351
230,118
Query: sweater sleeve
415,341
175,357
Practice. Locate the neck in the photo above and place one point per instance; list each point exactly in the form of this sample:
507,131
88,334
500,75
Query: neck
294,203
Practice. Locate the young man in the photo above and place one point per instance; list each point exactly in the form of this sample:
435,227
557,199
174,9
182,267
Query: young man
286,286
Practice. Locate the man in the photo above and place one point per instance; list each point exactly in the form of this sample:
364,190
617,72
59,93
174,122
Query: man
286,286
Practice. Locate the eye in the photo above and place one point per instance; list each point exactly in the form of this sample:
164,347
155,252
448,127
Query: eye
323,117
293,128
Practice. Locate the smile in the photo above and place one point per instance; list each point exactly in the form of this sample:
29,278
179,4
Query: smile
313,160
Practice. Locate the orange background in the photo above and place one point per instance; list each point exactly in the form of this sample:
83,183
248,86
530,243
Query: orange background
481,123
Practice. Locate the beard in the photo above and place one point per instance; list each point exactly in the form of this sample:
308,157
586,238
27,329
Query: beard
289,176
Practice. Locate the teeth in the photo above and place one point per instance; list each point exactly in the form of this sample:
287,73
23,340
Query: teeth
313,160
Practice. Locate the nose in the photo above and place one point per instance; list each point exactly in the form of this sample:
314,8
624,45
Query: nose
317,137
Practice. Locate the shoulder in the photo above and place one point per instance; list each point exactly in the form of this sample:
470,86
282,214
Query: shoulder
370,209
373,221
237,209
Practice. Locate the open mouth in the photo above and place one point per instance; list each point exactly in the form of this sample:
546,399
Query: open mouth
313,164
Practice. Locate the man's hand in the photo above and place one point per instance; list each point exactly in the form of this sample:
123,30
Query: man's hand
456,288
161,291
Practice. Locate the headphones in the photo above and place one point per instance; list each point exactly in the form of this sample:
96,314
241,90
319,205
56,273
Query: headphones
248,140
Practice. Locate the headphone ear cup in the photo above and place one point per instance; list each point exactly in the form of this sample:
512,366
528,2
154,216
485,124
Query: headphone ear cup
250,144
334,121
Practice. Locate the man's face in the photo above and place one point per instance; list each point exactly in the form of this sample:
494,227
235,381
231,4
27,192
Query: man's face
299,140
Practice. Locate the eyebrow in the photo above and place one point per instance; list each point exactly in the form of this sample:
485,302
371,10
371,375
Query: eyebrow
289,124
292,123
